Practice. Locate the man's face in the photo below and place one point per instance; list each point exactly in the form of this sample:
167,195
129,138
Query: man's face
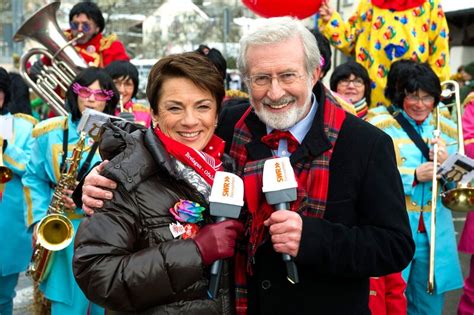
285,99
82,24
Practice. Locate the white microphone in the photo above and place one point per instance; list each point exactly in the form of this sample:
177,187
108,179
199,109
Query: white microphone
279,187
225,201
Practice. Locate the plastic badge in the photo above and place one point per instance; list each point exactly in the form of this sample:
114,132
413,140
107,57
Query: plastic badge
278,174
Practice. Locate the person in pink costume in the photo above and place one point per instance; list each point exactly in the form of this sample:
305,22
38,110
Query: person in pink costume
466,242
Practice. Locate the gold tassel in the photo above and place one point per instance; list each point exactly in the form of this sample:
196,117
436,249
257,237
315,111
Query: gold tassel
41,305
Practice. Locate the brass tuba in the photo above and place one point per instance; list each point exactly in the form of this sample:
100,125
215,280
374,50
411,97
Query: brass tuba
66,63
460,198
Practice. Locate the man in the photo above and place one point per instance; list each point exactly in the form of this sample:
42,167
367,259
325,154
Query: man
349,221
96,49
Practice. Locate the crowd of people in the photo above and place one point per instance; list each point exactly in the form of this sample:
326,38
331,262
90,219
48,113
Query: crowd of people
358,228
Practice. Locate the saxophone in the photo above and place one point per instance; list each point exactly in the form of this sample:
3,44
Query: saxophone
55,231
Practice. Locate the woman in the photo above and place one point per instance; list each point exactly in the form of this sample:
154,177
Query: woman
93,88
125,76
351,81
164,174
15,247
417,93
466,241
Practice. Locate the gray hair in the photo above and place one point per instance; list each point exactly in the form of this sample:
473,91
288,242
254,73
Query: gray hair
276,30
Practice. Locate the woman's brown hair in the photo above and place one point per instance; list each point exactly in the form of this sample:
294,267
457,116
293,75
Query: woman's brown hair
190,65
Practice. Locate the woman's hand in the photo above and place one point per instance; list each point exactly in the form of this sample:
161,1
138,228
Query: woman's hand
325,11
94,189
424,172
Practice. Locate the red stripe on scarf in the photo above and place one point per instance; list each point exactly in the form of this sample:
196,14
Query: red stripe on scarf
205,162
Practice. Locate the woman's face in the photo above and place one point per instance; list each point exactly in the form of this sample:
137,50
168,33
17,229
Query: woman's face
186,113
418,105
352,88
91,101
125,86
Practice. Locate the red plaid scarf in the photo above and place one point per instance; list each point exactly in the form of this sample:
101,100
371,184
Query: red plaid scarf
313,181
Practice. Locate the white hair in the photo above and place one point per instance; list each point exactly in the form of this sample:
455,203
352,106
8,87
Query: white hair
276,30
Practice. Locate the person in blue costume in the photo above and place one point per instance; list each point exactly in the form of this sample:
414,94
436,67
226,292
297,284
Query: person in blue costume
417,93
93,88
15,246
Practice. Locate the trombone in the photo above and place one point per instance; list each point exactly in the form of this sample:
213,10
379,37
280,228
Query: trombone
460,198
434,200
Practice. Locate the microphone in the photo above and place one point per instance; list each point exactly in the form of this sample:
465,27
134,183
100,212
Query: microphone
279,187
225,201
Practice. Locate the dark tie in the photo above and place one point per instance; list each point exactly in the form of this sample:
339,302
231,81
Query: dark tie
273,139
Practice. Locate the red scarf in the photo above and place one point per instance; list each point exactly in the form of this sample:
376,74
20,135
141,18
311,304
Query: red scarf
206,163
398,5
313,182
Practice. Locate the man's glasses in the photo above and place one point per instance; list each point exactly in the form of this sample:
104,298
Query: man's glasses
85,92
259,81
426,100
86,27
358,82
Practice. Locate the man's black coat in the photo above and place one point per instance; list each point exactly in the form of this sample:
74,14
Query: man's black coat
365,230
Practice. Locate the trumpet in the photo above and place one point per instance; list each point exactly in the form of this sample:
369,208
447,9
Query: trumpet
434,200
6,174
460,198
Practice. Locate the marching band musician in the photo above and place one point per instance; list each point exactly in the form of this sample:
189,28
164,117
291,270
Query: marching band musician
125,76
417,93
96,49
15,152
55,139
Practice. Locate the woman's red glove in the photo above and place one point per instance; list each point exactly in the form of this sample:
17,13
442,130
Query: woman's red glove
217,240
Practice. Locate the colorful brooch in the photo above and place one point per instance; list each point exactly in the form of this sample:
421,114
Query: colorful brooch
187,211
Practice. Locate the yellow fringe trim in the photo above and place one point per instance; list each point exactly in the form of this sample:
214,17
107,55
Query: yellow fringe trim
236,93
468,141
140,108
49,125
387,122
107,41
26,117
448,130
468,99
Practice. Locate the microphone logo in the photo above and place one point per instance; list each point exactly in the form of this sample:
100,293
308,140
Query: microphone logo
226,187
278,172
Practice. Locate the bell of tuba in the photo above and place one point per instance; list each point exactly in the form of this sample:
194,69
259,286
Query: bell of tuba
460,198
66,63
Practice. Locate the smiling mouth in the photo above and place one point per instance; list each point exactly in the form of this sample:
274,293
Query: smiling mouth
189,134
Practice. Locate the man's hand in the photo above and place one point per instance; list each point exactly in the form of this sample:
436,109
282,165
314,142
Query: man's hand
325,11
94,189
285,228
